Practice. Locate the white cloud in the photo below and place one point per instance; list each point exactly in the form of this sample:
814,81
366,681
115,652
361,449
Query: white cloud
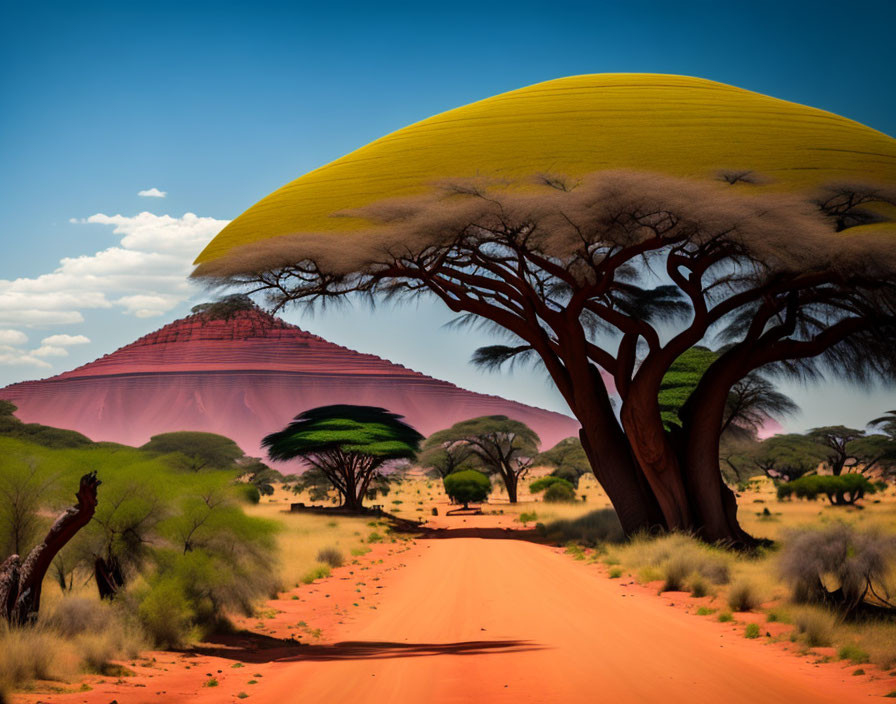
63,340
31,316
51,346
147,306
145,275
13,356
50,351
12,337
152,193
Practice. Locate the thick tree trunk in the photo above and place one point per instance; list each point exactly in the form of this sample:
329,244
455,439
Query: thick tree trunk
654,453
352,503
615,468
20,587
714,503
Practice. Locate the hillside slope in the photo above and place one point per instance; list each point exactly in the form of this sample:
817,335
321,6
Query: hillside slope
244,377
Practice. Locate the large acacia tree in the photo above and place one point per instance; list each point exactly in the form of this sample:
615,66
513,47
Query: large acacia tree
611,279
350,445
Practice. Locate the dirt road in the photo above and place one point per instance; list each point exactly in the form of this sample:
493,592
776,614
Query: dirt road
474,620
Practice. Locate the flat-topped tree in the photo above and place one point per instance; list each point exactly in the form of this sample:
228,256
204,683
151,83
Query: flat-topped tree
615,272
788,457
837,439
567,270
351,446
503,446
197,450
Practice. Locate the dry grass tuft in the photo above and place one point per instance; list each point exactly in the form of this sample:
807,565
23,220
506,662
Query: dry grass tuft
74,634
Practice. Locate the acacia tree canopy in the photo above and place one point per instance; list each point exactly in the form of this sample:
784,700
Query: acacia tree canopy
568,459
443,454
587,274
350,445
199,450
788,457
503,446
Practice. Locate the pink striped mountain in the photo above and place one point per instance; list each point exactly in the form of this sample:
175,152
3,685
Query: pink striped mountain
244,377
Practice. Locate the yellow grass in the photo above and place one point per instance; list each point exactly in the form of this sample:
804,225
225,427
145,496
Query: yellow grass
74,634
303,535
571,126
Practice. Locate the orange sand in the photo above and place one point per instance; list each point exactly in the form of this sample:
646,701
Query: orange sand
471,619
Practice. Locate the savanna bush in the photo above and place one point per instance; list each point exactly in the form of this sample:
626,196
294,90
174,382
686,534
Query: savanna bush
839,565
815,627
73,634
331,556
680,560
744,595
543,483
560,493
601,526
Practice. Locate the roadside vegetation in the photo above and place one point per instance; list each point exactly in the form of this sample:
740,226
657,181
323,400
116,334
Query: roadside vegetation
189,534
829,580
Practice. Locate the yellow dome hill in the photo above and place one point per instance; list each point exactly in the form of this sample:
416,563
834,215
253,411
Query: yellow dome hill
570,126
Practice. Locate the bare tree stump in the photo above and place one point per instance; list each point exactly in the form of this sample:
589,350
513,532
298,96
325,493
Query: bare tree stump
20,582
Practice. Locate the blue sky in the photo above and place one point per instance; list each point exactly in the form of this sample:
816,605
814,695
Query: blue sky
217,104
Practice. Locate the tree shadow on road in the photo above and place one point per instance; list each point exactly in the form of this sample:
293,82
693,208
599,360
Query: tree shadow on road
256,648
529,535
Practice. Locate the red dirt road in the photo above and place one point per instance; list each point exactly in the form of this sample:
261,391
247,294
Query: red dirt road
474,620
463,620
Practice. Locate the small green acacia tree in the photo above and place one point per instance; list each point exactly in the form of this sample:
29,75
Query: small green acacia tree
504,446
350,445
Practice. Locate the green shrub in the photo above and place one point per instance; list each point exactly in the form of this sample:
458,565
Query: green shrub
251,493
615,573
705,611
544,483
330,556
319,572
527,517
744,596
560,493
166,614
725,617
752,630
467,486
854,654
